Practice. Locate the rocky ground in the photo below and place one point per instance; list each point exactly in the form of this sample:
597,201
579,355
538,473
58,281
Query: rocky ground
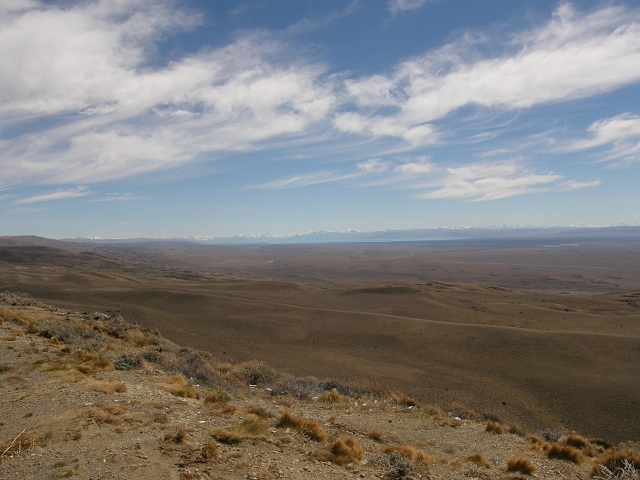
90,396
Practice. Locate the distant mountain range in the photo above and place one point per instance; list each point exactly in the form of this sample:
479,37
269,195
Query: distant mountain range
568,234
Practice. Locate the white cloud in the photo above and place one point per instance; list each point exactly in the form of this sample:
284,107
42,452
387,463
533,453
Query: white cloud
58,195
116,197
573,56
405,5
373,165
621,133
91,67
489,181
307,180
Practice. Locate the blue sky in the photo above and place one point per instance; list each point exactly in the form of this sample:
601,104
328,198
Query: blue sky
214,118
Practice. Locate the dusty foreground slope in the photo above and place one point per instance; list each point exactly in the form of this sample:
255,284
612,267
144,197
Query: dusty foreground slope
90,396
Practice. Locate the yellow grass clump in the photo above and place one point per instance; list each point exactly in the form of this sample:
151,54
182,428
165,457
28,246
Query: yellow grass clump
614,460
310,428
179,386
494,427
346,451
413,454
521,465
480,460
565,452
108,386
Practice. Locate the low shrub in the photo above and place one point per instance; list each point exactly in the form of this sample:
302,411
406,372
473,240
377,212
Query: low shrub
564,452
616,459
521,465
480,460
310,428
494,427
346,451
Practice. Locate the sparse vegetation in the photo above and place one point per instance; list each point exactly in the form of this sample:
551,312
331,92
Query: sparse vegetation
310,428
480,460
413,454
521,465
108,386
88,349
346,451
564,452
616,459
494,427
179,386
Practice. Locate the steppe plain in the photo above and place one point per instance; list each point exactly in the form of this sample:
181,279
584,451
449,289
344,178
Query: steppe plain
543,334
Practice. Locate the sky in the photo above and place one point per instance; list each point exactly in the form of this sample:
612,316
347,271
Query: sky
176,118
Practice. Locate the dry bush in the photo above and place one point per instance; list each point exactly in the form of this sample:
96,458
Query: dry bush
479,459
564,452
613,460
137,338
259,412
376,435
579,442
223,367
346,451
179,386
216,397
412,454
310,428
11,315
66,469
332,396
179,436
19,443
249,428
521,465
5,368
108,386
81,361
209,451
106,414
494,427
224,435
32,329
254,373
254,426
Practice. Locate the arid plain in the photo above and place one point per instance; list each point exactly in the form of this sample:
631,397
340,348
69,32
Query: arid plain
545,334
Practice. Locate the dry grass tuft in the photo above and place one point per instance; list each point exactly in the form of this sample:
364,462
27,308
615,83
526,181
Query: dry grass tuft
259,412
254,373
209,451
179,436
614,460
332,396
346,451
564,452
106,414
521,465
81,361
249,428
376,435
21,442
137,338
310,428
225,435
413,454
179,386
216,397
479,459
108,386
494,427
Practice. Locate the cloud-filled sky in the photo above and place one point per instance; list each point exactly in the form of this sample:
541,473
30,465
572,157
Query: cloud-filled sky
214,118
